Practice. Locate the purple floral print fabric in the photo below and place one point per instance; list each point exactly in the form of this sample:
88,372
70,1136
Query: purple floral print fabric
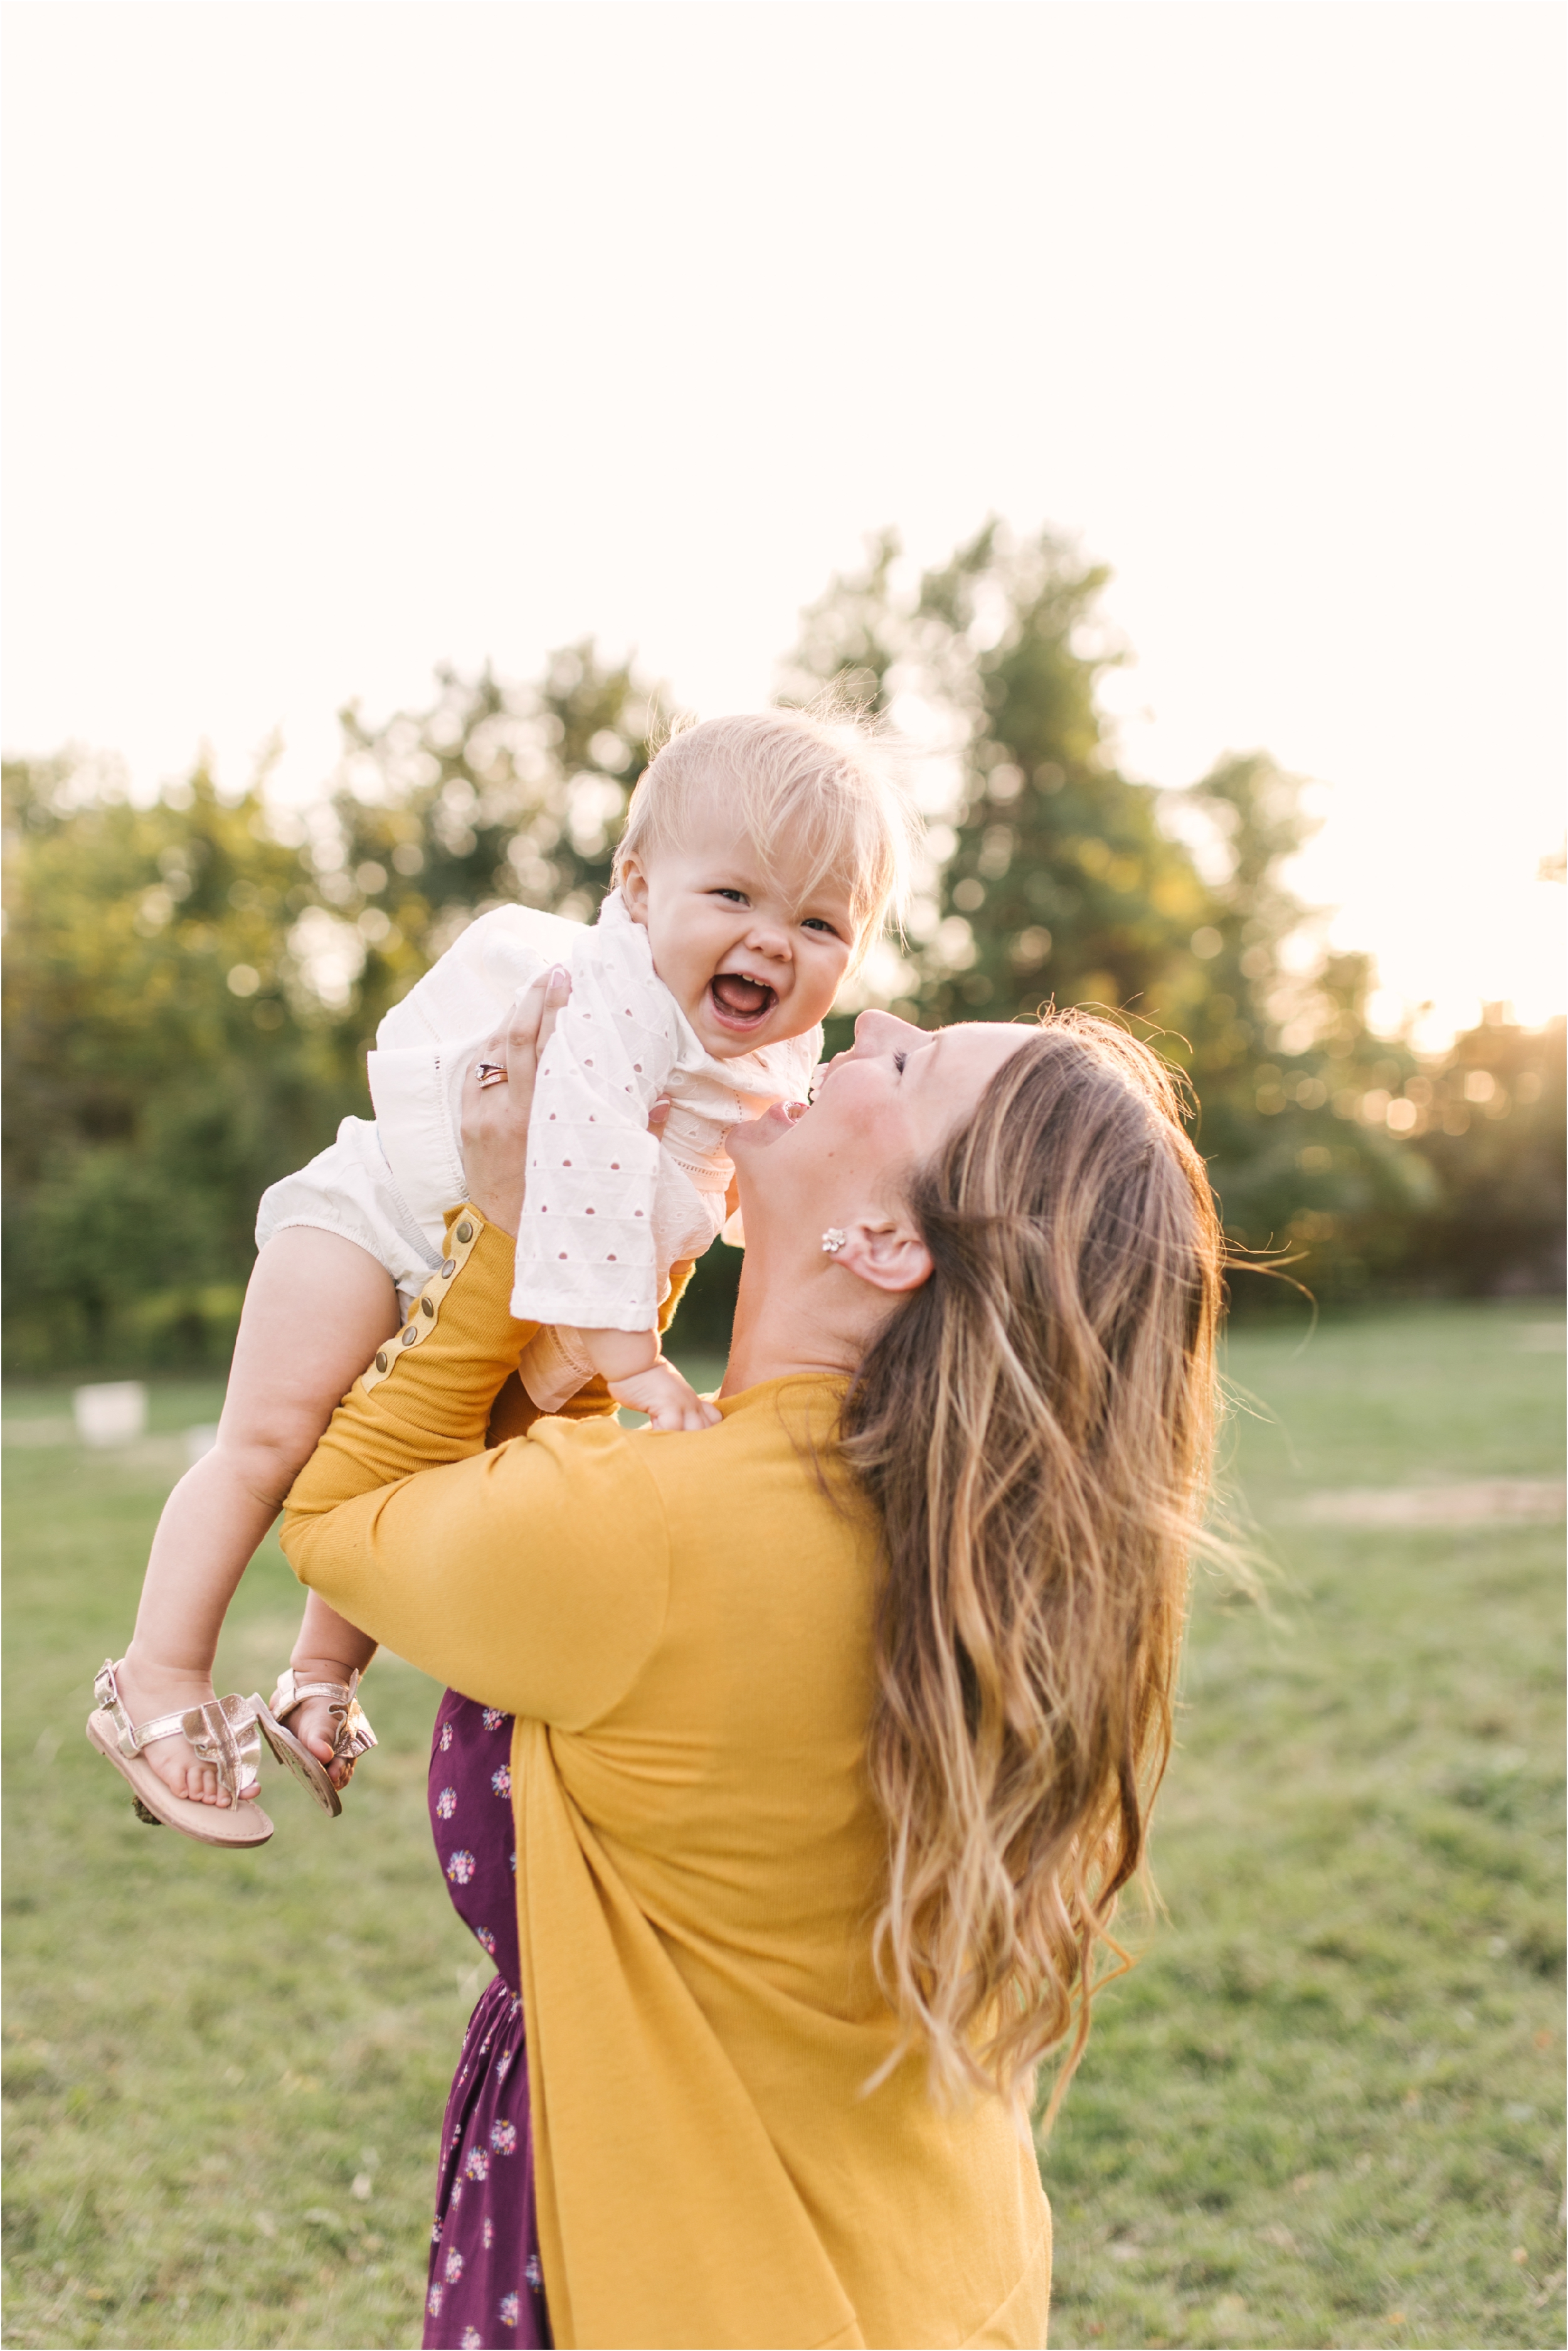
486,2287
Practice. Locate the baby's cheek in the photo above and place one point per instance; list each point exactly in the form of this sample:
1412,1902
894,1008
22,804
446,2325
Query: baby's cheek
682,961
815,999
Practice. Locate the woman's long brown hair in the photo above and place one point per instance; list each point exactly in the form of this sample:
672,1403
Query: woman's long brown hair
1035,1425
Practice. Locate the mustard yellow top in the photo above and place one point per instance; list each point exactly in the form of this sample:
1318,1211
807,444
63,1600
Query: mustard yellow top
683,1626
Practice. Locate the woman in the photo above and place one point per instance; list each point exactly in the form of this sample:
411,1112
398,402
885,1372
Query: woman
837,1725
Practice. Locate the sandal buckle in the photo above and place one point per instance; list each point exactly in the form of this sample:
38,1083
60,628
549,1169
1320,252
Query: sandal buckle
106,1690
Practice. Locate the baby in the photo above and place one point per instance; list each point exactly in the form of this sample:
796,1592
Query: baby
759,858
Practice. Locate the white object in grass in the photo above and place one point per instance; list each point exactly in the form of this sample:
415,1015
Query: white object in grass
110,1412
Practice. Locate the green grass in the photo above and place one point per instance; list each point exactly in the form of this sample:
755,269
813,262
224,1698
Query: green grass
1330,2092
205,2049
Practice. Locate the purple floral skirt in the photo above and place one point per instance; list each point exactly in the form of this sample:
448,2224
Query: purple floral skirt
485,2287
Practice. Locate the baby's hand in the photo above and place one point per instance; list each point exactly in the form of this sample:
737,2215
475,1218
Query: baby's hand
669,1400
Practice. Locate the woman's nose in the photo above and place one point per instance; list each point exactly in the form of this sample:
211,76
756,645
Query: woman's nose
881,1032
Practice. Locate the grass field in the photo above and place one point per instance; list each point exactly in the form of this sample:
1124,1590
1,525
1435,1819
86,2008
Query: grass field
1324,2109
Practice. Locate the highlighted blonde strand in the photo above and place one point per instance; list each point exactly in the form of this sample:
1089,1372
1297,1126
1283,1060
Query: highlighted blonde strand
1035,1425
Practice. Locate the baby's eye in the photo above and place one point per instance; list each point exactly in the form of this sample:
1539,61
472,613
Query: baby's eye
816,922
736,897
898,1061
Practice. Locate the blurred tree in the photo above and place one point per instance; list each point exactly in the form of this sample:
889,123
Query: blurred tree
1490,1121
1282,1058
496,793
191,987
166,1058
1062,878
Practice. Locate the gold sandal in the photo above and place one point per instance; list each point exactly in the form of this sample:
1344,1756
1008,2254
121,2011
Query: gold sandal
225,1731
351,1734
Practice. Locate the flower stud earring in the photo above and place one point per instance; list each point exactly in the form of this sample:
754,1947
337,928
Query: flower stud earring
833,1240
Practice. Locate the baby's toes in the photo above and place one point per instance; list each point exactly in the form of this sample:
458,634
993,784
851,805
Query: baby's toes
173,1762
312,1726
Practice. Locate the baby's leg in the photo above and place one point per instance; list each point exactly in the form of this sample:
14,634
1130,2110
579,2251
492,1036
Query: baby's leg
317,1308
328,1648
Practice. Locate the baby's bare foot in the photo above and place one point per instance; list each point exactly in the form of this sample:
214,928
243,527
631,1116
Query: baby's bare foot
150,1689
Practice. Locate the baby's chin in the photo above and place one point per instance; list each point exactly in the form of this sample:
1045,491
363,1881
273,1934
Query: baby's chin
724,1048
733,1049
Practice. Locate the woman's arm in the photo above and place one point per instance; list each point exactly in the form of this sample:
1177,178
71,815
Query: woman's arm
474,1354
531,1576
391,1422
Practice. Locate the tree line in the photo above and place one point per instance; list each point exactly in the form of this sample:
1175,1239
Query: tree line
191,985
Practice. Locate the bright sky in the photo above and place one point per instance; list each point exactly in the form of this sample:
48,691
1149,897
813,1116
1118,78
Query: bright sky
344,338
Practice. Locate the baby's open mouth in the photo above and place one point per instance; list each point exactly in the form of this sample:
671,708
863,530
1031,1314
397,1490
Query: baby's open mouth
739,1003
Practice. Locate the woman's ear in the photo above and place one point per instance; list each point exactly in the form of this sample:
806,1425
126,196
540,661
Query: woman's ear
886,1252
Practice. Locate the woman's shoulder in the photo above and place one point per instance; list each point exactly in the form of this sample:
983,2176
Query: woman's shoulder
584,1485
767,1476
775,1447
772,1573
588,1444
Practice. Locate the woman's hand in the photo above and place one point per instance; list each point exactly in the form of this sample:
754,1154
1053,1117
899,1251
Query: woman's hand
496,1113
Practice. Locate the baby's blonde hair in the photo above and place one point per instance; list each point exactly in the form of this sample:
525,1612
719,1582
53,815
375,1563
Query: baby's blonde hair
824,782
